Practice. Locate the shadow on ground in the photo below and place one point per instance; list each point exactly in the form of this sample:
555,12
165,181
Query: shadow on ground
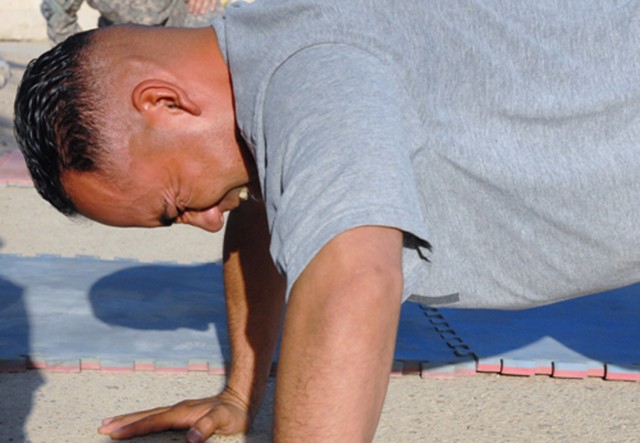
16,399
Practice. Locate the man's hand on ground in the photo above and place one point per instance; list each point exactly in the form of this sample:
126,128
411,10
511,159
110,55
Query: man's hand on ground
224,414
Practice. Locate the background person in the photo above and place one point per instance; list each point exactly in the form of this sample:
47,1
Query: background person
62,15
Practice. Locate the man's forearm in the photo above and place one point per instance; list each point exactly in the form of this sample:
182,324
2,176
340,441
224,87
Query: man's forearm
255,300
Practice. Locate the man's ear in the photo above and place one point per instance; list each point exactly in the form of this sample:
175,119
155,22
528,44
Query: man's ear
153,97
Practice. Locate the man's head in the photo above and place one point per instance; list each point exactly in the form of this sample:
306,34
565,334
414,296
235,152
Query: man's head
133,126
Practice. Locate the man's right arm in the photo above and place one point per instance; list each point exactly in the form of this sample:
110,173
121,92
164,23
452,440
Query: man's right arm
255,295
255,302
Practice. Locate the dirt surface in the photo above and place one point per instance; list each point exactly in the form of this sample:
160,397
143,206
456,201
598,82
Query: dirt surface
52,408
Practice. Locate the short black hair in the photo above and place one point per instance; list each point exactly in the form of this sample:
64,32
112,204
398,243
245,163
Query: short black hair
56,120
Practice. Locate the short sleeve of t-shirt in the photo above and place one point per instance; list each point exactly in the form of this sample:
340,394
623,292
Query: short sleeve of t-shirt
334,155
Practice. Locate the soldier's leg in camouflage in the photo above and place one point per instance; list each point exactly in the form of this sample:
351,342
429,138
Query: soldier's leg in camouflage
142,12
5,72
61,17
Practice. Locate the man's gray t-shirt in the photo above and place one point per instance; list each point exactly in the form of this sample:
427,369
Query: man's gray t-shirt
500,136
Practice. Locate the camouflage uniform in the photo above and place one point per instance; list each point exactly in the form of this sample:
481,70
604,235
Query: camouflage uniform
62,19
5,72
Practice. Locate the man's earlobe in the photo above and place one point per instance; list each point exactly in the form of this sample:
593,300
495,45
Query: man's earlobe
156,95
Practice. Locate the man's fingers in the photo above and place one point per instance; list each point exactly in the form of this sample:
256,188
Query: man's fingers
160,422
179,416
200,6
111,424
207,4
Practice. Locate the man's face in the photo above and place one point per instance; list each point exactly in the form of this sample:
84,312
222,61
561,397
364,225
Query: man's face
157,187
170,123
